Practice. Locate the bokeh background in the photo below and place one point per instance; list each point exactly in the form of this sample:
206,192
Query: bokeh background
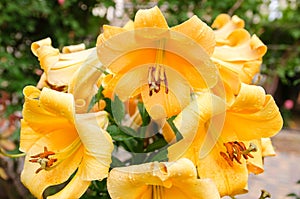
67,22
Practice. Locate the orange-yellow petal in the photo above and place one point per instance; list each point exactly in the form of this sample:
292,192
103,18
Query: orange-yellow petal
97,143
200,125
167,179
199,32
60,67
73,48
83,84
150,18
253,115
40,117
36,45
38,182
267,147
225,25
237,50
74,189
230,180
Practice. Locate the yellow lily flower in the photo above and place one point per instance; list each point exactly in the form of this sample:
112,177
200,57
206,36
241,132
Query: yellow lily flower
223,153
162,64
60,142
237,54
59,68
160,180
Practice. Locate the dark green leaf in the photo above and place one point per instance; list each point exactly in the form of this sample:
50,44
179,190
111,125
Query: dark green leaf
161,156
118,109
116,133
96,98
176,131
157,144
144,114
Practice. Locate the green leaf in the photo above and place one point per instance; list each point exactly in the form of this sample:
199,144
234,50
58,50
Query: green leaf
118,110
161,156
291,195
128,131
144,114
157,144
96,98
176,131
117,134
116,162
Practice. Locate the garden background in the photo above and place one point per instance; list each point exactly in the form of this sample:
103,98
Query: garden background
67,22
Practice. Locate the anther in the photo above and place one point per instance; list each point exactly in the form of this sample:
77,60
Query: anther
235,151
43,159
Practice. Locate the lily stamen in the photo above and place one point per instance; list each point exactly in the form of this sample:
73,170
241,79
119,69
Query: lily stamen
235,151
47,162
43,159
157,73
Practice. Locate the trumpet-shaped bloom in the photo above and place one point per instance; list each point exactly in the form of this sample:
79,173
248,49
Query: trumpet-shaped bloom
252,116
60,142
160,180
162,64
59,68
237,54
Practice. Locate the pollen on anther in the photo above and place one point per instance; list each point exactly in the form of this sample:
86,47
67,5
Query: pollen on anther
43,159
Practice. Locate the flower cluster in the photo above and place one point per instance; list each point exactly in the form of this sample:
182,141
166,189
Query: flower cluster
161,112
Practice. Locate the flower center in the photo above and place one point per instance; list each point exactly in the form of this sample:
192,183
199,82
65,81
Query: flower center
237,150
157,73
46,162
43,159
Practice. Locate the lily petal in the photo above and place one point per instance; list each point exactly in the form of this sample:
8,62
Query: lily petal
198,31
200,124
75,188
36,183
61,115
230,180
236,49
83,84
165,179
36,45
59,67
98,145
150,18
267,147
225,25
254,109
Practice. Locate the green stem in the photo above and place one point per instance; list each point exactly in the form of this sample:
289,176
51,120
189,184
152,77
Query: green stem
11,155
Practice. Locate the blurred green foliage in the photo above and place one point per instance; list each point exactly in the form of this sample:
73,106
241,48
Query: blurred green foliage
22,22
